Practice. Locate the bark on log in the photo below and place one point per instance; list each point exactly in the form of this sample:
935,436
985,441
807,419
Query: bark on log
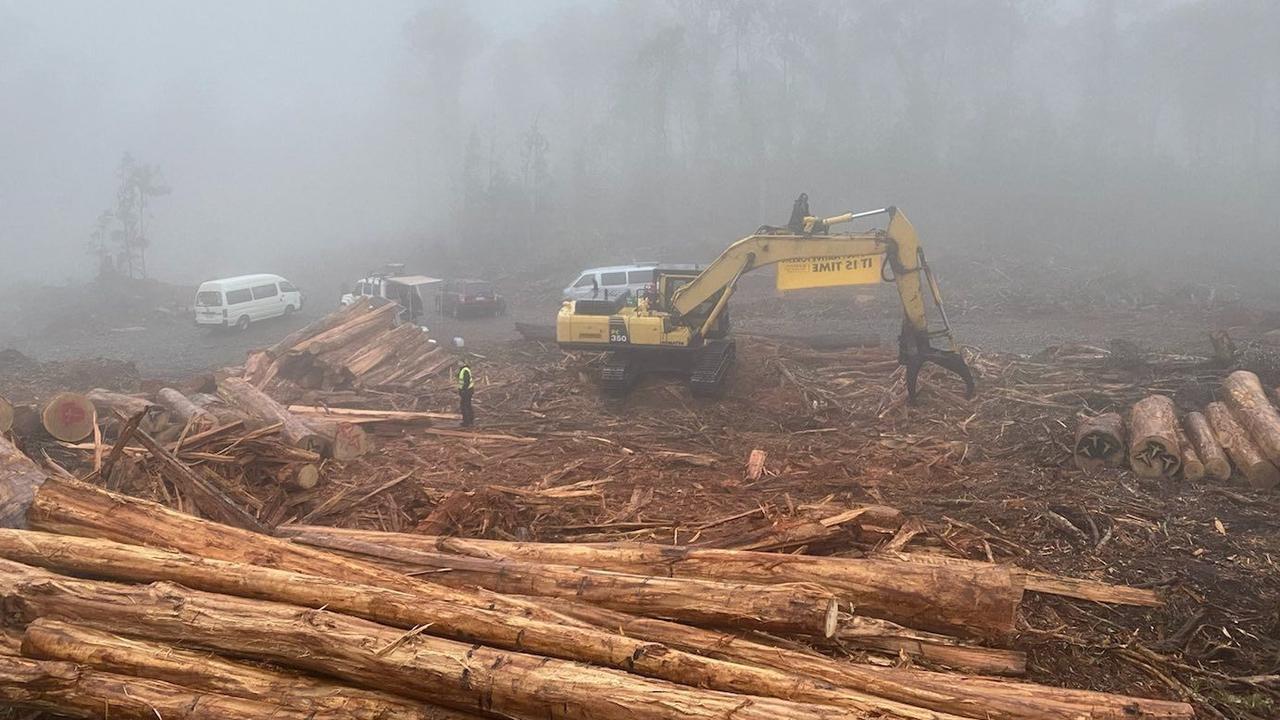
971,696
328,322
1243,393
19,480
74,508
633,650
895,640
66,690
69,417
1099,442
343,440
6,415
354,330
1153,439
792,608
100,558
47,639
300,476
252,401
363,415
185,411
154,417
463,676
971,600
387,348
1235,440
201,485
1207,448
1192,467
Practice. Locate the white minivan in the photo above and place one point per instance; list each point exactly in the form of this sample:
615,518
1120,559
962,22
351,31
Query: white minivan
606,283
238,301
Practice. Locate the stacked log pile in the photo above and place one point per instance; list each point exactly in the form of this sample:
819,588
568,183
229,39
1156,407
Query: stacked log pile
124,608
1241,430
357,347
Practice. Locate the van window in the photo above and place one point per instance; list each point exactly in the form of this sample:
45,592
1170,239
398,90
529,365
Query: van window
287,287
264,291
638,277
235,297
209,298
613,278
586,280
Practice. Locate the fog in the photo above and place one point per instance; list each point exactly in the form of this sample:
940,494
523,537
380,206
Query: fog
502,136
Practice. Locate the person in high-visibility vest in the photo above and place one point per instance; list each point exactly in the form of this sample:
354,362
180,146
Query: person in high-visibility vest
465,387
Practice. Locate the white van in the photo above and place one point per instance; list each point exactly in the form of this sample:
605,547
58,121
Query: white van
607,283
238,301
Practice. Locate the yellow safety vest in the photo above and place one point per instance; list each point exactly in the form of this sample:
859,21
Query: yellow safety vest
464,378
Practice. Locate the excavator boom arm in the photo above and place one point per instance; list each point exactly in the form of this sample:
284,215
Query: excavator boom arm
898,242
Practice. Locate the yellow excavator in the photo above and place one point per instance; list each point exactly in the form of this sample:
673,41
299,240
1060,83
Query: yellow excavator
680,323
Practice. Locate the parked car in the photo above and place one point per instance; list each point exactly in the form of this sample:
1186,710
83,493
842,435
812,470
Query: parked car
606,283
244,299
470,297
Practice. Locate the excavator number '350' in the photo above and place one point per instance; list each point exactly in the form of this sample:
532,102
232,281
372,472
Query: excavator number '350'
682,326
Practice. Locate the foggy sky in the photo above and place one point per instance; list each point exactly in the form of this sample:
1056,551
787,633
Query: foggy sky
344,131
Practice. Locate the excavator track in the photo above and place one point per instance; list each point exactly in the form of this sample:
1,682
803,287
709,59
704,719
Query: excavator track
619,373
711,368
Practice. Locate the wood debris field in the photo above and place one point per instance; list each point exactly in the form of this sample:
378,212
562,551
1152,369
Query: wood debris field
808,546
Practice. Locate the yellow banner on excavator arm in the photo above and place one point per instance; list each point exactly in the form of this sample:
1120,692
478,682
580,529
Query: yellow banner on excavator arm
830,271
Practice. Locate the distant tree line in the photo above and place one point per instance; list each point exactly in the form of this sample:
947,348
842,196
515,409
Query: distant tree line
119,240
616,128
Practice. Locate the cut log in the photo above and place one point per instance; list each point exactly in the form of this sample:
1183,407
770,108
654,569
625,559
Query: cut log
1243,393
463,676
1192,467
1235,440
252,401
343,440
185,411
74,508
970,696
495,628
108,404
755,464
1207,448
977,599
792,608
1153,438
19,480
69,417
199,671
6,415
354,330
328,322
634,650
65,690
203,486
895,640
363,415
1099,442
300,476
384,348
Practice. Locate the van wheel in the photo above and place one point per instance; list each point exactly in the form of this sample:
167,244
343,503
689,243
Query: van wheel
288,310
243,323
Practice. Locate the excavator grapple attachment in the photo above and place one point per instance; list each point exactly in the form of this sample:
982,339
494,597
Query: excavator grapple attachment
945,359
